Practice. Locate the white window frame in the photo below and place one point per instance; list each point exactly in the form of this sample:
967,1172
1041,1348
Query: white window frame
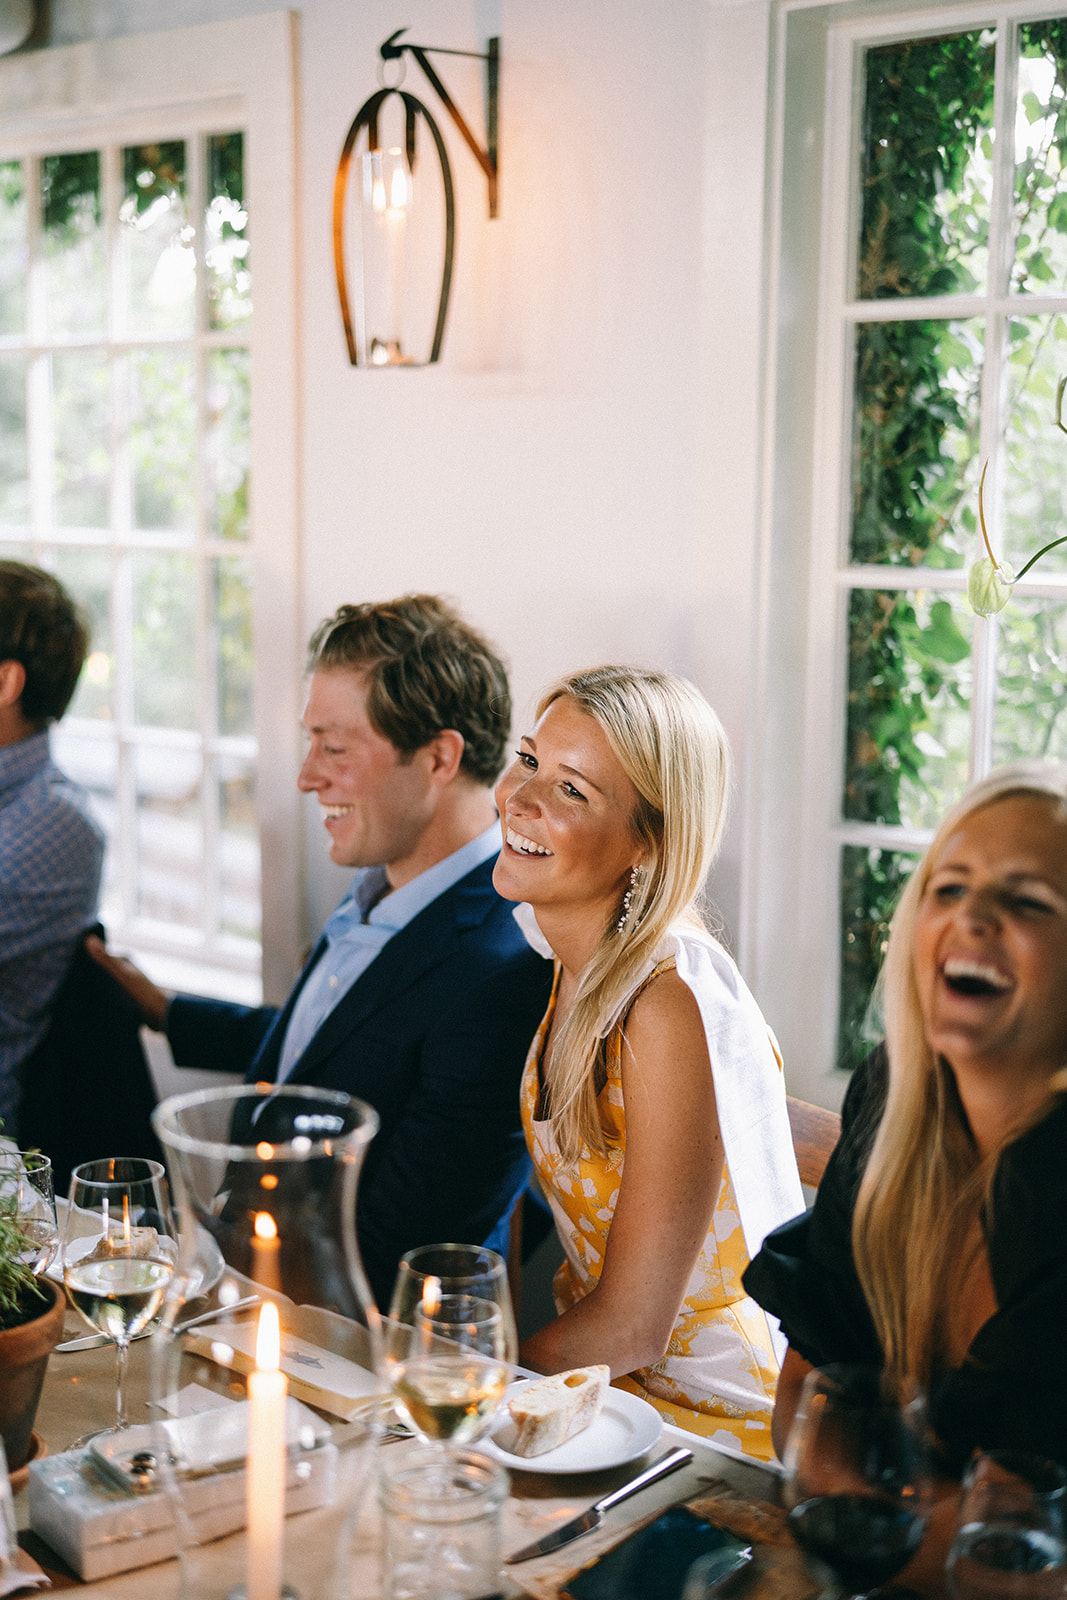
795,828
222,76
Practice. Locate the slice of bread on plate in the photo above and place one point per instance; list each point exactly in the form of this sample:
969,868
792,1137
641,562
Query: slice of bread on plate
552,1410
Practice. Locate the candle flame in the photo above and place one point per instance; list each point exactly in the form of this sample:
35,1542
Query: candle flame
431,1296
265,1226
127,1231
268,1339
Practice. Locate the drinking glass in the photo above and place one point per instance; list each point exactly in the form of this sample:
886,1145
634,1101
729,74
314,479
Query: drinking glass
26,1197
1011,1539
856,1481
450,1341
119,1252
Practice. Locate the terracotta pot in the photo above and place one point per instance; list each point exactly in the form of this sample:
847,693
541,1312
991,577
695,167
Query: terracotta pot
24,1353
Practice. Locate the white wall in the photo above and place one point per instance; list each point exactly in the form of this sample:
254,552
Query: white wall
582,470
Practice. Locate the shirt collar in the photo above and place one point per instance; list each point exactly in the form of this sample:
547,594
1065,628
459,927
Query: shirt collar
23,760
395,910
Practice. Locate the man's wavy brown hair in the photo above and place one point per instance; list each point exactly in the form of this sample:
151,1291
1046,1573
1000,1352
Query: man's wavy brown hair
426,670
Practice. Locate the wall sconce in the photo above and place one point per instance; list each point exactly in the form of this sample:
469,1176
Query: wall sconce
394,252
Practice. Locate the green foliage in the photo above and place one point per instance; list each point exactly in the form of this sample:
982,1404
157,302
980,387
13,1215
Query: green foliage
900,672
871,881
70,193
928,109
153,171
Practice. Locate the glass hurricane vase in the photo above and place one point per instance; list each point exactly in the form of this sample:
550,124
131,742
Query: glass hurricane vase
271,1408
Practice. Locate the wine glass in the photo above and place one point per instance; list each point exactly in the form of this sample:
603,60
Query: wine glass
26,1197
450,1341
1011,1538
119,1252
856,1481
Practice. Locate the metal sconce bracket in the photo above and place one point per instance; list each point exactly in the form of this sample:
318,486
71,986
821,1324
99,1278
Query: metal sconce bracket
487,159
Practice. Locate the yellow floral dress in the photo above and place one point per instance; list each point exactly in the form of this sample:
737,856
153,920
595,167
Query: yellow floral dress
719,1374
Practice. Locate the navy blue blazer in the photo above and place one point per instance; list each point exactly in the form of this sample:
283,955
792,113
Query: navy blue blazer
434,1035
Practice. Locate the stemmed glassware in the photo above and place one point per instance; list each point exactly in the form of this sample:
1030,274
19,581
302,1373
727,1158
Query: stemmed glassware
1011,1539
450,1341
119,1252
856,1478
26,1198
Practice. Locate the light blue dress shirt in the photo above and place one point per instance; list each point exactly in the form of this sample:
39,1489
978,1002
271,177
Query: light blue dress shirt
355,936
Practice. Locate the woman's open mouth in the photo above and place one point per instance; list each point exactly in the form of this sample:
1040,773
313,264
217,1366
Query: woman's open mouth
974,979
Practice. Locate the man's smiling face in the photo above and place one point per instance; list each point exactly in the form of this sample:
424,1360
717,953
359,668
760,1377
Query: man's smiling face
376,802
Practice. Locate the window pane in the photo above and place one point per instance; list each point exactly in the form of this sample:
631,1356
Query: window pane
227,445
157,240
75,258
233,625
1040,221
81,421
926,167
1031,710
170,845
163,440
238,850
87,576
915,440
13,247
14,460
909,691
165,654
871,881
1035,477
229,281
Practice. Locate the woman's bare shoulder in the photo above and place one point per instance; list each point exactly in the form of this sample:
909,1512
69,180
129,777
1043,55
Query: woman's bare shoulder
665,1010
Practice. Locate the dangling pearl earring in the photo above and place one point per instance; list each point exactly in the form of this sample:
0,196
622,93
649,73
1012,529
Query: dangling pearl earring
635,876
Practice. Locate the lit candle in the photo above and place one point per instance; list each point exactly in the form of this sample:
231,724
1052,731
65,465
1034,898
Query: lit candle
265,1502
265,1248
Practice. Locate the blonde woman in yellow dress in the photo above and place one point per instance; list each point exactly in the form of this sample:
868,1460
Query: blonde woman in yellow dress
653,1099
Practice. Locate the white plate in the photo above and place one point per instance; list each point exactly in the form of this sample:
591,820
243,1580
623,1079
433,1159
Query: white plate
626,1427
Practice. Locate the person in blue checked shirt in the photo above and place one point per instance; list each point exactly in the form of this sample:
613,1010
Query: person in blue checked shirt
51,848
422,995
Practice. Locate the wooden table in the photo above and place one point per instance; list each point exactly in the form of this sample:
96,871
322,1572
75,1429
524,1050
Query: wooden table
79,1396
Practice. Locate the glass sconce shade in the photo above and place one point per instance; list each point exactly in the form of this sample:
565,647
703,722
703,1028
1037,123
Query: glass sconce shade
392,264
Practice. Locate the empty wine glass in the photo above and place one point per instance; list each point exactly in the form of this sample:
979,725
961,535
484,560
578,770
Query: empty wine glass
856,1481
26,1197
119,1251
1011,1539
450,1341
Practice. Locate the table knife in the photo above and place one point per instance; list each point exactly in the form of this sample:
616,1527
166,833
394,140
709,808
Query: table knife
94,1341
592,1518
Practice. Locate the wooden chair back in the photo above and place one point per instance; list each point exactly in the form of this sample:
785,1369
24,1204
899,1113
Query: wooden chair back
815,1132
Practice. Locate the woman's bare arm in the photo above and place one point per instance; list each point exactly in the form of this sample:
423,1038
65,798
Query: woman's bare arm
671,1179
790,1382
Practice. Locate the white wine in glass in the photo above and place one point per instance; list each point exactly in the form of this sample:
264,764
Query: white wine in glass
119,1251
450,1341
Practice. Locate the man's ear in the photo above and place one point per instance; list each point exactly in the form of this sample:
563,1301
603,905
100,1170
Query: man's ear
12,683
446,752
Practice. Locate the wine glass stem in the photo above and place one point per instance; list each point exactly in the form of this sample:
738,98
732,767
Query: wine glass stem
122,1353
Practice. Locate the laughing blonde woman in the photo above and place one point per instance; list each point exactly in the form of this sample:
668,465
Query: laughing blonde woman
652,1099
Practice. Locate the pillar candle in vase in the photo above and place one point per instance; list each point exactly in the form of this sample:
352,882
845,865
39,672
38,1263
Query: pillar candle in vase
267,1390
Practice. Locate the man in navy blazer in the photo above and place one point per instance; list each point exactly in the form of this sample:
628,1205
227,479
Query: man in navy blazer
421,996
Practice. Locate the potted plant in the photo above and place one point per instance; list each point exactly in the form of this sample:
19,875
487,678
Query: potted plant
31,1321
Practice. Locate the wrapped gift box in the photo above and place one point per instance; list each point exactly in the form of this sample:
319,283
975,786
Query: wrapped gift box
82,1507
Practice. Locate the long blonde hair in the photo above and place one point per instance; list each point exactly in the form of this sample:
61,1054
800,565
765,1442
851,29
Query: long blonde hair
925,1179
673,749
